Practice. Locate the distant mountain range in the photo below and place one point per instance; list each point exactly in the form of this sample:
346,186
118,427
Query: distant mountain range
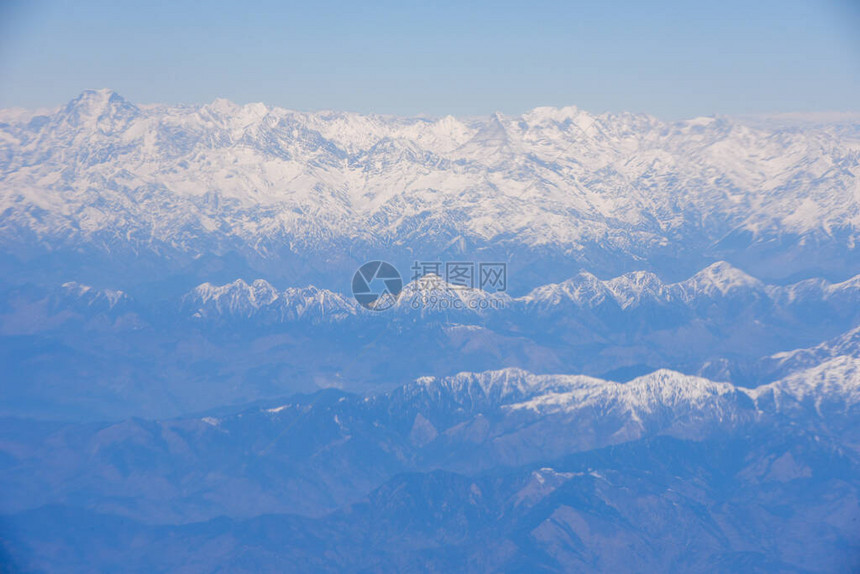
719,285
555,470
158,191
245,341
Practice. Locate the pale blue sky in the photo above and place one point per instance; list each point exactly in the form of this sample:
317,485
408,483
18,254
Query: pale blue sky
671,59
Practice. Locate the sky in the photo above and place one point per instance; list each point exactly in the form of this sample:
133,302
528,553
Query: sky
673,59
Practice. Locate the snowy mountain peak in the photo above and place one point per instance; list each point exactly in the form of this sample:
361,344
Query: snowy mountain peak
719,278
547,113
631,289
650,395
584,289
431,293
259,291
222,106
492,138
672,386
95,100
93,105
260,299
833,382
491,389
317,304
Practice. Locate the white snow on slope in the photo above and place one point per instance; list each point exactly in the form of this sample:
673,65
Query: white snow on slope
104,171
661,393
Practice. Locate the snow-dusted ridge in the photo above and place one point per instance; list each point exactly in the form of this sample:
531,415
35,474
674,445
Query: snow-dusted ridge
718,280
846,344
242,300
629,291
510,414
106,173
836,381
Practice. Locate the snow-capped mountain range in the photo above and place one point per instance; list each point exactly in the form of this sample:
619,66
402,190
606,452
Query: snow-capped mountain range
104,175
719,282
671,380
542,462
470,422
242,300
248,340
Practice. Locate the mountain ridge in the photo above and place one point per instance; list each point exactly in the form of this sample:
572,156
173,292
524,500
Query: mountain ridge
103,175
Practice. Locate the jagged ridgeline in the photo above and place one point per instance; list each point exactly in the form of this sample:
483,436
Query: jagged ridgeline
105,186
218,345
501,468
